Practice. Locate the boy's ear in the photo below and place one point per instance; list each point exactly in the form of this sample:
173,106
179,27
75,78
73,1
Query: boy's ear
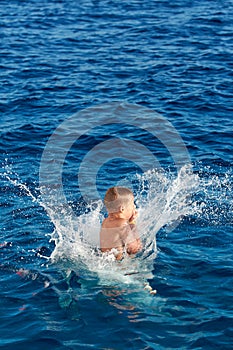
122,208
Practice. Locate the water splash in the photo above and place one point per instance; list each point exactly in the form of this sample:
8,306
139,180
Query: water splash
163,199
216,195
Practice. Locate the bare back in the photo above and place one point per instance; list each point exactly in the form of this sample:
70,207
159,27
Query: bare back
118,234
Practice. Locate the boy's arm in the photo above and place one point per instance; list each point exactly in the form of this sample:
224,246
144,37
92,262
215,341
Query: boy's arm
134,247
134,244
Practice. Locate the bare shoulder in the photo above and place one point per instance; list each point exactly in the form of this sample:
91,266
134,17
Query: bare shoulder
109,223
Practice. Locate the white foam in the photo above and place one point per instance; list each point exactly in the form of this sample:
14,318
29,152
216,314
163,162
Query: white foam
163,199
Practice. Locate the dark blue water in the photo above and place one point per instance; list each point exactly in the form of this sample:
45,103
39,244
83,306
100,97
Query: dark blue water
123,87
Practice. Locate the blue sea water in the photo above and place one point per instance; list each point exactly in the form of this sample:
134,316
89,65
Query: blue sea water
96,93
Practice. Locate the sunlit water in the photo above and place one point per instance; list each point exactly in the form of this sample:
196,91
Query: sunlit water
153,79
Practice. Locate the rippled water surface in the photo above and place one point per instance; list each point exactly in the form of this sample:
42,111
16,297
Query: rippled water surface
137,93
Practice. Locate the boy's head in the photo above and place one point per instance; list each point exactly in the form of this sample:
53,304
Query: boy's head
117,198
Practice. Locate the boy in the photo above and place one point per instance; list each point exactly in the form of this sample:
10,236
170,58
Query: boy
118,232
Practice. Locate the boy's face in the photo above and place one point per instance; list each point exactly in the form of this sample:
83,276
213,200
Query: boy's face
129,208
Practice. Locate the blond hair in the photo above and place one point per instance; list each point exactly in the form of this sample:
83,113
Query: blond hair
116,196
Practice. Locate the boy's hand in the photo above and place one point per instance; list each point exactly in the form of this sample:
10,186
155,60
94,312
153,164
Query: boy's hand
133,218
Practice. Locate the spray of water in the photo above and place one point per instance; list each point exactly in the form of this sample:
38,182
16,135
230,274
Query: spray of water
163,199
